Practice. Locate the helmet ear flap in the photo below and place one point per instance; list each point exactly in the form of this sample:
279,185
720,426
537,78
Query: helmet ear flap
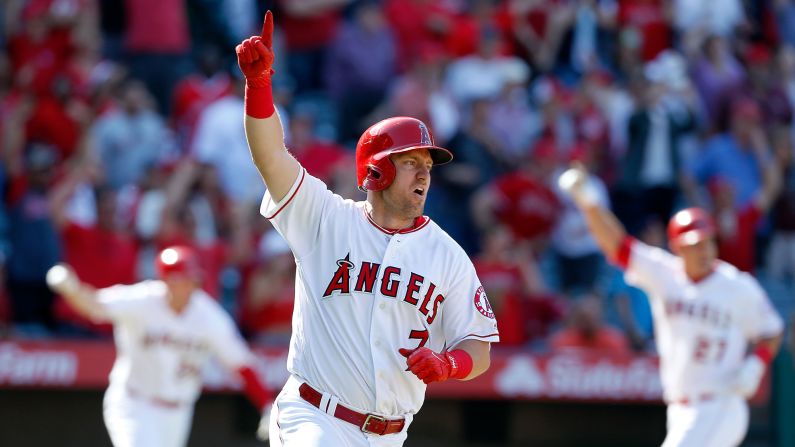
380,174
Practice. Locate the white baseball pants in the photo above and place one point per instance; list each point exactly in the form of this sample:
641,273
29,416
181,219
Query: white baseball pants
136,422
719,422
297,423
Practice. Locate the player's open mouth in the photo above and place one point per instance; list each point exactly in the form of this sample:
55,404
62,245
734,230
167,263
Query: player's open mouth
419,191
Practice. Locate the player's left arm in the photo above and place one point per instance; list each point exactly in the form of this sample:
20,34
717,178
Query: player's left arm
765,330
767,347
467,360
469,328
233,352
748,378
480,353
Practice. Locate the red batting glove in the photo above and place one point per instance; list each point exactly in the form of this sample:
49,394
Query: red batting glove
255,54
430,366
255,58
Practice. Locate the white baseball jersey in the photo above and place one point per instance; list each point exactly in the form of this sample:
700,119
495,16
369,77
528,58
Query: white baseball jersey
702,329
159,353
363,292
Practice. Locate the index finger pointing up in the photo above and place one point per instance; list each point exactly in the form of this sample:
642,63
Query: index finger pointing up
267,30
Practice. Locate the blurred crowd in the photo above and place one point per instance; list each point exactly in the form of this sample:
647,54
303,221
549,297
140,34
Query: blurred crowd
121,132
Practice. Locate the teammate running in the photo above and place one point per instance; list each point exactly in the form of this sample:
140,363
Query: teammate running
165,331
715,329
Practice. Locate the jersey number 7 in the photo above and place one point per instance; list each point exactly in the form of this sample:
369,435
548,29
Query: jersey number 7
422,336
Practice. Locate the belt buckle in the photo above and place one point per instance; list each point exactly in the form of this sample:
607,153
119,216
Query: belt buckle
373,417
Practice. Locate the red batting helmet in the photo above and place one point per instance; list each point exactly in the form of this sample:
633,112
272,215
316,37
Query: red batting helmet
374,170
690,226
177,260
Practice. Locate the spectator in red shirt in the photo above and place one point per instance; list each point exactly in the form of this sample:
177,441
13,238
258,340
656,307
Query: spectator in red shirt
322,159
268,291
644,26
101,252
60,115
532,24
586,330
419,24
481,16
736,228
523,200
41,37
198,90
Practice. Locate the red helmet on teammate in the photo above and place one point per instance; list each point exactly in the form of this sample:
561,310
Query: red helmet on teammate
689,227
374,170
177,260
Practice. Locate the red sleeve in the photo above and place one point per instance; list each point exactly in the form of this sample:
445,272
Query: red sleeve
621,259
254,388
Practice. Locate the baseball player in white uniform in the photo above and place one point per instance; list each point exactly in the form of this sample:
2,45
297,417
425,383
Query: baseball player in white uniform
715,329
386,302
165,331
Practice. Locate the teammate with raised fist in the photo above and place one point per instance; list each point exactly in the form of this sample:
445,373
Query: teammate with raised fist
165,331
715,329
386,302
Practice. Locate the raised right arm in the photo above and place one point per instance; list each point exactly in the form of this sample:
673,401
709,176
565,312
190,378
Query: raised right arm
263,127
80,296
605,227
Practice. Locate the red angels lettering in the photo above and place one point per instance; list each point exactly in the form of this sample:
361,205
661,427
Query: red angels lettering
482,303
367,274
427,299
436,302
415,282
389,286
341,281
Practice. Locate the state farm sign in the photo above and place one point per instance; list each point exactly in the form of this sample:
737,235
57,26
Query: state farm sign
579,378
514,374
20,367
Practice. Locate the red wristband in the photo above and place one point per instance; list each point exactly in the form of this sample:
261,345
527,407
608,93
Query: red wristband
460,363
259,98
764,353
